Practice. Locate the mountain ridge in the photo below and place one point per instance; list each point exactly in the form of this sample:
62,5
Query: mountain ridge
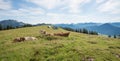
110,28
10,22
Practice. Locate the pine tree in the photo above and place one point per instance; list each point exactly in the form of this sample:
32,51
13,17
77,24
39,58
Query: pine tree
80,30
1,27
76,30
119,36
7,27
109,36
85,31
93,33
27,25
115,36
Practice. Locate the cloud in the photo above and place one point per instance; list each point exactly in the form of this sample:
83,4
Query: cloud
72,5
27,15
100,1
4,5
61,11
48,4
111,6
66,18
23,12
75,5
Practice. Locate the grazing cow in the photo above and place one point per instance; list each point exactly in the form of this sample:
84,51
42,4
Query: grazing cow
62,34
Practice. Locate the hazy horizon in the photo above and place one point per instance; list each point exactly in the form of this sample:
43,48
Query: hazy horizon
60,11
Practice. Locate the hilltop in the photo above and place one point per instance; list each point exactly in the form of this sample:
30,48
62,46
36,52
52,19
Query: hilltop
76,47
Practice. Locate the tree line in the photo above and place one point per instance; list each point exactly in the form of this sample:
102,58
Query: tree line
14,27
83,30
114,36
86,31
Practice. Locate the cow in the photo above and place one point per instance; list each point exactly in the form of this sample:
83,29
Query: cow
49,27
21,39
43,32
62,34
30,38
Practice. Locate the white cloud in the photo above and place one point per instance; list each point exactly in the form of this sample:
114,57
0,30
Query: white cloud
66,18
100,1
111,6
48,4
23,12
33,11
27,15
51,15
76,4
5,4
73,5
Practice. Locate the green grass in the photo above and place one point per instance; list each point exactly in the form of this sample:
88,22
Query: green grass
76,47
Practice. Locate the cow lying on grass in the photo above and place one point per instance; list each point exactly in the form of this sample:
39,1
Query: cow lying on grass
43,32
62,34
20,39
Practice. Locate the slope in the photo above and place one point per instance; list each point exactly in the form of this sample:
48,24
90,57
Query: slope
76,47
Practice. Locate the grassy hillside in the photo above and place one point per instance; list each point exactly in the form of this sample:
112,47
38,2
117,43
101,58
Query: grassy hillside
76,47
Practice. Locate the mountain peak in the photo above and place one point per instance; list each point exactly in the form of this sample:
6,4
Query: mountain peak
107,25
11,22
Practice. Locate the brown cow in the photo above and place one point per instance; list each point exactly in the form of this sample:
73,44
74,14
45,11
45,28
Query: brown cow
19,39
62,34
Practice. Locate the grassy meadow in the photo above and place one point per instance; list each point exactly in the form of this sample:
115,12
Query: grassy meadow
76,47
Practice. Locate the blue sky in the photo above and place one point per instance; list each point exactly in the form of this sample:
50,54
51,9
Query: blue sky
60,11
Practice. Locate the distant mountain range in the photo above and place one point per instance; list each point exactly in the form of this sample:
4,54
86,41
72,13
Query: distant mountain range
12,23
106,28
117,24
102,28
78,25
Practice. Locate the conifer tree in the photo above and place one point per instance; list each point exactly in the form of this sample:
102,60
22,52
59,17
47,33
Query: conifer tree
0,27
